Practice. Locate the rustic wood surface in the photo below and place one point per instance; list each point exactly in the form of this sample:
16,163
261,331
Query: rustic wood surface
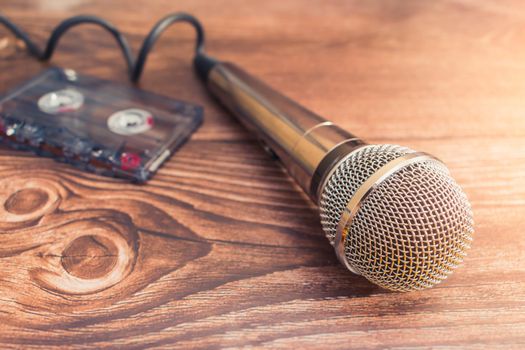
221,249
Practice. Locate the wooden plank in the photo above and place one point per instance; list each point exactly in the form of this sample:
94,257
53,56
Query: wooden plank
221,249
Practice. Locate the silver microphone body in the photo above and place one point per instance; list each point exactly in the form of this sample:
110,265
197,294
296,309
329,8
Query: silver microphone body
393,215
301,139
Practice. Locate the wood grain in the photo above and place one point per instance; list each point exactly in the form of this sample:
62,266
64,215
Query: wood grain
221,249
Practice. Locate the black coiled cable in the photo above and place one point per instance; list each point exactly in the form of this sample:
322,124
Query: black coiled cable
135,66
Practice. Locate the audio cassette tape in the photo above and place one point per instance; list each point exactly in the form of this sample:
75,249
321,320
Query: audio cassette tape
96,125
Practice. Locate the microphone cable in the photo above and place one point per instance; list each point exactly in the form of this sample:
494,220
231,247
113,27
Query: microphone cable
135,66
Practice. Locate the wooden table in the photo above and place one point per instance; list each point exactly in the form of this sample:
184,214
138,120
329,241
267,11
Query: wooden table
221,249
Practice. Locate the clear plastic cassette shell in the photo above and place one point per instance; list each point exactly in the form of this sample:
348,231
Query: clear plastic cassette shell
97,125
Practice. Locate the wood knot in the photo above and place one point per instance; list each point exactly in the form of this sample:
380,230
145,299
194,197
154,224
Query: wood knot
26,201
90,257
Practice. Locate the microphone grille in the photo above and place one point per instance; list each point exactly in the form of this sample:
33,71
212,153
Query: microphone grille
410,231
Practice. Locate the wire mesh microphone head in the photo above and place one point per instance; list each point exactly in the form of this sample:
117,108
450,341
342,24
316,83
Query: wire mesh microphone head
408,229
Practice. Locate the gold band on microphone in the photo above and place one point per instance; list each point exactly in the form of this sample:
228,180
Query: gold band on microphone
363,192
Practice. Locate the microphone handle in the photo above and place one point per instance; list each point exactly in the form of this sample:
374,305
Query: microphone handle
308,145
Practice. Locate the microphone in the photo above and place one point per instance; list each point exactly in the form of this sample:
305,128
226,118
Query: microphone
393,215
